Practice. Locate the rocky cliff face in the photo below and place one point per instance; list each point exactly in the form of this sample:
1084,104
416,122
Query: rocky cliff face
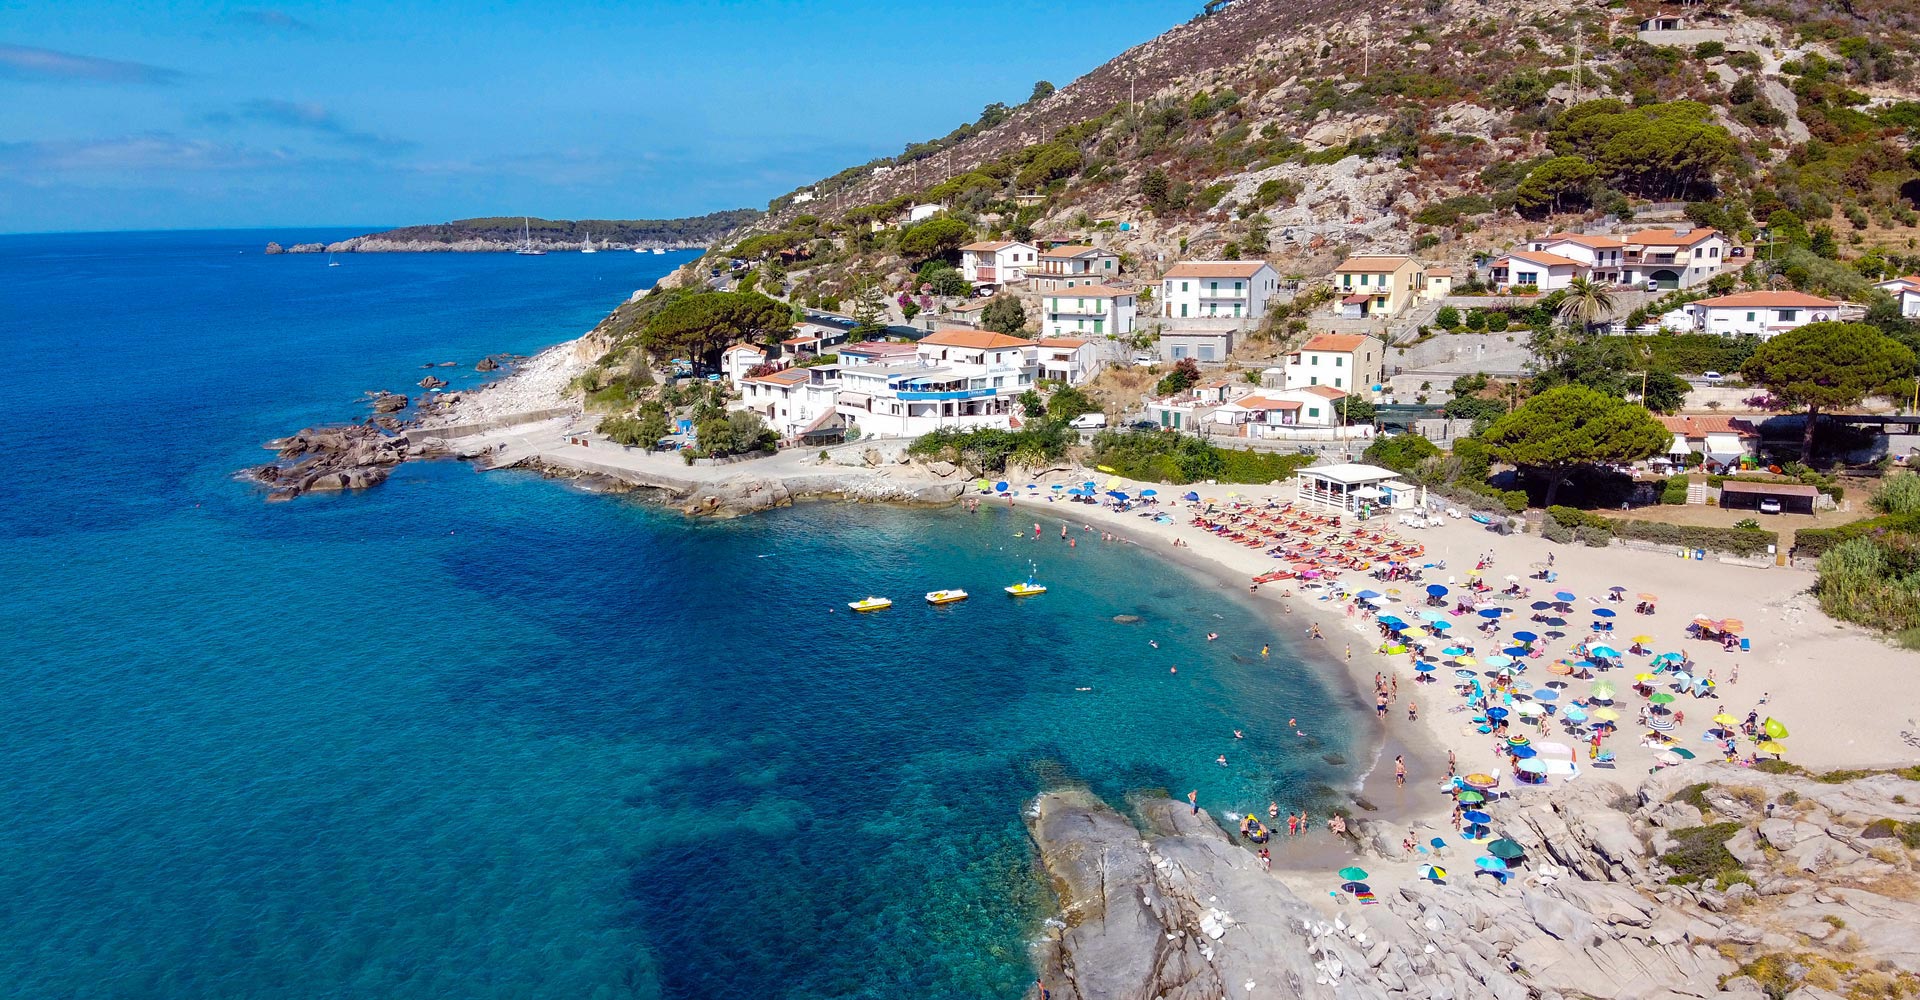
1825,902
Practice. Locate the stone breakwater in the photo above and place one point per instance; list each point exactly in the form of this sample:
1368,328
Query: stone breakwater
1827,902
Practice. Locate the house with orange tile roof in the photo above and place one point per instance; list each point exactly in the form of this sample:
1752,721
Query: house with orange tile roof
1719,439
1097,311
1074,266
1189,411
1600,255
1370,285
1536,271
1072,360
1761,314
1232,294
1676,257
957,378
1285,413
1905,291
997,263
1350,362
792,400
738,360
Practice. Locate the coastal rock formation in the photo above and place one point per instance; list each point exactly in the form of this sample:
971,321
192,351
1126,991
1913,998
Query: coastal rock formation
348,457
275,248
487,364
1820,900
433,383
388,402
307,248
751,494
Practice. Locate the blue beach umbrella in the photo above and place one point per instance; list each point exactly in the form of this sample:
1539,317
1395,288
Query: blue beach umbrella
1490,612
1563,596
1149,493
1439,626
1496,713
1516,651
1489,864
1190,496
1056,486
1368,595
1555,622
1425,668
1476,817
1116,494
1437,590
1669,658
1545,694
1498,660
1533,766
1390,620
1602,613
1574,714
1000,486
1454,651
1522,753
1434,616
1540,605
1526,637
1605,652
1466,675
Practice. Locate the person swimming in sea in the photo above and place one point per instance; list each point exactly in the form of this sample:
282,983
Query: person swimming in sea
1263,650
1221,760
1238,735
1154,643
1212,636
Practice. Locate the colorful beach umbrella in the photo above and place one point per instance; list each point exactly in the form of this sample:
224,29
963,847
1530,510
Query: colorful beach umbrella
1432,873
1661,698
1644,678
1352,874
1490,864
1650,598
1521,752
1602,689
1574,715
1642,639
1774,728
1506,850
1496,712
1561,667
1532,766
1726,720
1470,797
1478,780
1604,652
1465,661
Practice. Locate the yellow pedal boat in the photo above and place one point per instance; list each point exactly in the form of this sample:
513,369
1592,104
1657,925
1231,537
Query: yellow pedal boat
1027,589
945,596
871,604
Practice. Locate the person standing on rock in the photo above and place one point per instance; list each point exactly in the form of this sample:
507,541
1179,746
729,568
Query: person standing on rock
1193,800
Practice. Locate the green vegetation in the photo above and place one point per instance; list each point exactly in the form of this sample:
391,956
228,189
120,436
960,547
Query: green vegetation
1826,366
1004,314
1069,402
1701,853
739,432
1658,150
933,238
1402,453
1181,458
699,229
989,449
1450,211
701,325
1736,540
1185,375
1568,427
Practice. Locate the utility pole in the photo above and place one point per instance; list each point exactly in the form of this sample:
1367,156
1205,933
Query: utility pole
1579,53
1366,52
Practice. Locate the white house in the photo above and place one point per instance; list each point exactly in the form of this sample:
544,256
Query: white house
1762,314
877,352
1349,362
1188,411
1283,414
1602,256
738,360
1001,262
958,378
1680,257
1225,289
1074,266
921,213
1094,310
791,400
1905,291
1068,359
1536,270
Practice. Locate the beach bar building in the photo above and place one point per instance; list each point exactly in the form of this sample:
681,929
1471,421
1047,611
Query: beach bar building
1351,486
1794,498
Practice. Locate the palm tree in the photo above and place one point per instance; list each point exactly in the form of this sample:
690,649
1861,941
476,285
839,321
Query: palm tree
1586,304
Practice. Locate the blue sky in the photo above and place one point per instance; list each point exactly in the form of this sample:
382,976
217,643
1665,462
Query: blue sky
147,115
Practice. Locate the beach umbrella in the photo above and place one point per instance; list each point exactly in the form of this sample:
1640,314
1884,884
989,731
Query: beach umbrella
1425,668
1491,612
1352,874
1545,694
1642,639
1521,751
1533,766
1554,622
1149,493
1465,674
1116,494
1470,797
1667,757
1506,850
1774,728
1680,677
1661,698
1517,740
1669,658
1616,590
1560,667
1644,678
1465,661
1604,652
1726,720
1478,780
1490,864
1774,747
1606,715
1574,715
1498,660
1602,689
985,486
1563,596
1540,605
1190,496
1476,817
1439,626
1525,637
1057,486
1000,486
1355,887
1437,590
1414,633
1454,651
1496,713
1682,752
1650,598
1114,483
1529,709
1368,595
1602,612
1432,873
1733,625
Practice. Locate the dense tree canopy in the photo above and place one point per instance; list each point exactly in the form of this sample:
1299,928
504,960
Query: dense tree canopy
1561,429
1005,315
934,238
702,325
1827,366
1558,183
1658,150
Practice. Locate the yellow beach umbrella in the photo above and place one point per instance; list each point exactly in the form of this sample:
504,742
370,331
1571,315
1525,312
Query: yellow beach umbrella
1606,715
1414,633
1643,638
1771,746
1112,484
1725,719
1106,468
1643,678
1465,661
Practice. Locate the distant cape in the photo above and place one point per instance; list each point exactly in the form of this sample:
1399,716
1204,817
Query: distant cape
503,233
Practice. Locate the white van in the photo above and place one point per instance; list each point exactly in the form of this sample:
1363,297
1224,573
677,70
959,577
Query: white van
1088,421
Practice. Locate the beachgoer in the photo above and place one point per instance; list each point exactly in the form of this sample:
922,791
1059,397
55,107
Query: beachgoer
1221,760
1212,636
1238,735
1266,860
1380,707
1400,770
1451,764
1193,799
1413,711
1263,652
1273,810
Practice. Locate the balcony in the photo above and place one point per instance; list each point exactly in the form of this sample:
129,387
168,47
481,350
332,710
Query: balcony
917,396
986,274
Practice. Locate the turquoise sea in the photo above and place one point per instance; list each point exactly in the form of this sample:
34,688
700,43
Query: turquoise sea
485,736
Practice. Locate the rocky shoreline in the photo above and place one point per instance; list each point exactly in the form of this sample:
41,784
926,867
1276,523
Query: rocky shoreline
1823,902
379,244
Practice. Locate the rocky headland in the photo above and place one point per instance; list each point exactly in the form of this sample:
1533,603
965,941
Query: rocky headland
1701,881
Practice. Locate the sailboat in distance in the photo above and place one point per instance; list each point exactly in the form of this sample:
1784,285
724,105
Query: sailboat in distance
526,248
586,244
330,261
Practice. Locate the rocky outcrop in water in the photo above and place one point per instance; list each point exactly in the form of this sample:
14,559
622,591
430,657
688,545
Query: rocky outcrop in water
748,495
348,457
1814,898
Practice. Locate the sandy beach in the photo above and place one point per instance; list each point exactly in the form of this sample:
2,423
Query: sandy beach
1827,681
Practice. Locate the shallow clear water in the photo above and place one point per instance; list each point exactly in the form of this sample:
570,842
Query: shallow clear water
487,736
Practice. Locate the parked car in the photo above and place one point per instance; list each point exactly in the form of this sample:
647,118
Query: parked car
1088,421
1143,359
1143,425
1769,506
1712,376
1739,251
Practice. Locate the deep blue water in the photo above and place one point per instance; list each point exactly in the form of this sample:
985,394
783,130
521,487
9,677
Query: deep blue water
488,737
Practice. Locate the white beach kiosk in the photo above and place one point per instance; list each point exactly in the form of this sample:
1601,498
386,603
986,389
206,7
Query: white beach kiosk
1350,487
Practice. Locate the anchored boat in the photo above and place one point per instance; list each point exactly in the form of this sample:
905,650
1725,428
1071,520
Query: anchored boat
870,604
1026,589
945,596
